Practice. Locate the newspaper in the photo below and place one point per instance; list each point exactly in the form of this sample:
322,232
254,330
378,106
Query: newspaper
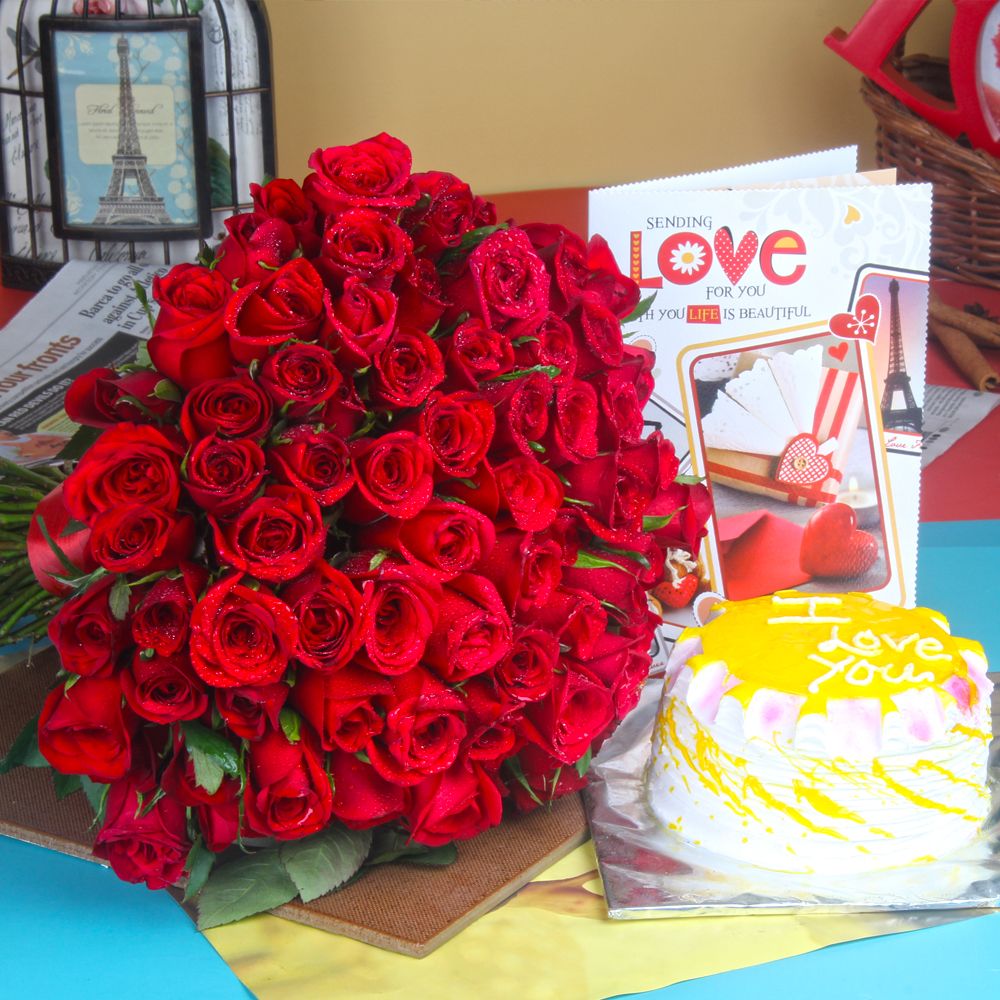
950,413
87,317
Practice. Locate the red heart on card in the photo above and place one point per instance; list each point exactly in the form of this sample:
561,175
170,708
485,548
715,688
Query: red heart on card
861,324
801,463
838,351
735,262
833,546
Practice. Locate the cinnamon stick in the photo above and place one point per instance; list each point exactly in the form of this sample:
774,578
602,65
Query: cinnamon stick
967,358
980,329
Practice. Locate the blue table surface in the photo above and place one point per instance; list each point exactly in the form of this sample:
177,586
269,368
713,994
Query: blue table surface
70,929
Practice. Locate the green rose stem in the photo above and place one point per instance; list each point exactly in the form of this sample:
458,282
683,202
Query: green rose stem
12,470
15,585
21,609
14,507
12,491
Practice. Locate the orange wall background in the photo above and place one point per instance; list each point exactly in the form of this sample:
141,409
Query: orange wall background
517,94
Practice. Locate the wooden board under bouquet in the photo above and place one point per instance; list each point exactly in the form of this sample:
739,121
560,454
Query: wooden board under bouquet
401,907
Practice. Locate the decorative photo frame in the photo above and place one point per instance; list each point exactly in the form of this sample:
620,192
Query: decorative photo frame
127,138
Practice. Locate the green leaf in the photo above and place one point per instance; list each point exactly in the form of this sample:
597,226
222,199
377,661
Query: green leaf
142,358
212,755
625,553
219,174
291,724
118,599
521,341
390,843
326,860
513,764
435,857
553,371
199,864
583,764
24,750
242,887
655,523
640,310
587,560
97,794
65,784
689,480
165,389
377,559
537,446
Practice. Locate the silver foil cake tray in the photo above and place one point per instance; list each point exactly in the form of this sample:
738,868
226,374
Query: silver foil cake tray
649,872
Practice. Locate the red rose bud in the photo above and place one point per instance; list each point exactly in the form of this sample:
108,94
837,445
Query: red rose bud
141,846
621,409
250,711
299,378
527,672
547,779
83,730
565,257
219,825
288,793
394,475
573,434
401,616
161,621
476,353
189,341
574,616
128,464
601,339
473,632
87,636
141,539
362,798
443,540
450,212
423,729
223,474
621,662
374,172
548,341
360,320
638,363
504,281
342,707
231,407
103,398
316,462
241,636
163,689
253,249
345,413
531,492
286,305
365,244
491,744
74,545
689,506
522,413
456,805
606,283
525,568
421,298
405,370
283,199
274,538
459,429
332,617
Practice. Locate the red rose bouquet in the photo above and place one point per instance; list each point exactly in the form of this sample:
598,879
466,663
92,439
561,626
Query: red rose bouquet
360,552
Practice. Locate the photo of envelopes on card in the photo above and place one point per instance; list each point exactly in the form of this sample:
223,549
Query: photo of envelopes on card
787,450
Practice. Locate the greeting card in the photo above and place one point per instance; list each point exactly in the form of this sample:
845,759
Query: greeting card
788,318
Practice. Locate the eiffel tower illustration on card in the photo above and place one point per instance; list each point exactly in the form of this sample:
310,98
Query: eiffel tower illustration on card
125,120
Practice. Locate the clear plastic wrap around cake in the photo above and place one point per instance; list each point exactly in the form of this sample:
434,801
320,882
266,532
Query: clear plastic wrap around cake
649,872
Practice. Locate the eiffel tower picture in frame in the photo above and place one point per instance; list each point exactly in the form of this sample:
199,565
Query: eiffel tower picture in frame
125,115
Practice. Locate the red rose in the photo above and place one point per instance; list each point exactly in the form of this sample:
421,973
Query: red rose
459,429
405,370
103,398
288,793
274,538
254,248
601,339
219,825
450,210
250,711
299,378
345,413
364,244
546,341
316,462
638,363
621,409
565,256
142,845
128,464
241,636
526,568
401,616
394,475
456,805
527,672
689,506
443,540
531,492
74,544
223,474
573,434
362,798
332,617
360,320
286,305
342,707
606,283
423,729
88,638
546,777
574,616
522,413
163,689
180,780
160,623
621,662
477,353
230,407
283,199
504,280
374,172
137,539
473,630
189,341
421,295
83,730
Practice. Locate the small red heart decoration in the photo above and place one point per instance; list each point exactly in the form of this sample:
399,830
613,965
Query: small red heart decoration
861,324
801,463
832,545
734,262
838,351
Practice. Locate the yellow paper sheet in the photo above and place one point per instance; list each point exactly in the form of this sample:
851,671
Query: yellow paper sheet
551,941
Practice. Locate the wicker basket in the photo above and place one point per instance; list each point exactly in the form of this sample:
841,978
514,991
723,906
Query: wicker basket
965,238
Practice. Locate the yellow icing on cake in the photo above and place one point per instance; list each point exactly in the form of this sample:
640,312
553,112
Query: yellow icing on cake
831,646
